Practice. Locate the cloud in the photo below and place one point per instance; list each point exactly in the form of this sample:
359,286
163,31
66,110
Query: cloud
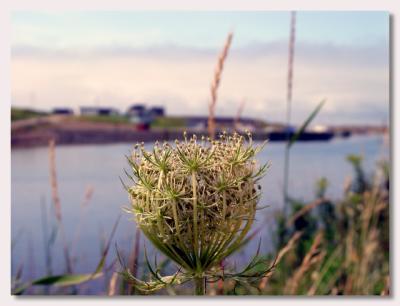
376,53
354,79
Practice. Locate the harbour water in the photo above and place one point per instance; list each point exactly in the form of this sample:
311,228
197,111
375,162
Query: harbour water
100,166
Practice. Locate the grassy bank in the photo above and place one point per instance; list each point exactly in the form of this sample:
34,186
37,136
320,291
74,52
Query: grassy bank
21,114
103,119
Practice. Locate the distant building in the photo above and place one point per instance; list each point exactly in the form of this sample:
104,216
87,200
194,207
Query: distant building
136,110
98,111
62,111
138,115
157,111
141,116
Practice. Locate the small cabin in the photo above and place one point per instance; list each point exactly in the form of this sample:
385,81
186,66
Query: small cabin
142,116
139,116
136,110
98,111
62,111
157,111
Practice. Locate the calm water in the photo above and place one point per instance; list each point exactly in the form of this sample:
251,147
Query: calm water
100,166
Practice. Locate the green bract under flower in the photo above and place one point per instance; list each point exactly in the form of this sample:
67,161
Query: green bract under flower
196,200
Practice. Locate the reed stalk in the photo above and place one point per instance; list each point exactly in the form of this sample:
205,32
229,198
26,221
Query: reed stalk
57,203
215,85
313,256
289,246
286,166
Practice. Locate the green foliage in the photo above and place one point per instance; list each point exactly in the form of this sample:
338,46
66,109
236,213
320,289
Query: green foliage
360,183
58,281
21,113
353,257
104,119
321,186
169,122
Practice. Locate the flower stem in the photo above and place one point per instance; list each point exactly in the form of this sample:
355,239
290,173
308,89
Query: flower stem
200,285
195,229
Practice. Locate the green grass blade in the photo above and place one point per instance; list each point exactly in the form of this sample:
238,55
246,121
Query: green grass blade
305,124
72,279
59,281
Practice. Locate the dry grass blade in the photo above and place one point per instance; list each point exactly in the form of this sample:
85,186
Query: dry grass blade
363,245
281,253
88,196
313,256
57,202
386,290
305,210
333,258
215,85
53,180
291,56
113,284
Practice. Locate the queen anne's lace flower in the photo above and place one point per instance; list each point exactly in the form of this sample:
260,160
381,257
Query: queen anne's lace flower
196,200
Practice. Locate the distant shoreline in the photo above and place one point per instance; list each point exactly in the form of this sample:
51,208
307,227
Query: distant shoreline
36,132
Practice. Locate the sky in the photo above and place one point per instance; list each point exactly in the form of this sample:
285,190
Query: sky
165,58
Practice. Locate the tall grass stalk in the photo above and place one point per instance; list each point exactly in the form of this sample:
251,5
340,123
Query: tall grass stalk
45,233
286,166
112,286
215,84
305,210
57,203
313,256
282,252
